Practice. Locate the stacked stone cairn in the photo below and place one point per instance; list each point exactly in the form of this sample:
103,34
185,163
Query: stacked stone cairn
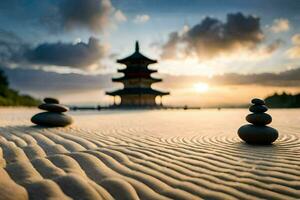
257,132
54,115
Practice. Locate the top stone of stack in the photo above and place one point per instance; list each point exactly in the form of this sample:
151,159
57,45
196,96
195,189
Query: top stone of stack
258,106
257,101
51,100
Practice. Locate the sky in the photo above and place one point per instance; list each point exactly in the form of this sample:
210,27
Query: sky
209,52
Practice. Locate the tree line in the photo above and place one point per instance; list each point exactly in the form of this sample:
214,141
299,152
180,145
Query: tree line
10,97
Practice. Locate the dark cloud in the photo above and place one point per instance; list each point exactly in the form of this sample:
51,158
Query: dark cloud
213,37
60,15
80,55
289,78
93,15
170,47
273,46
42,83
11,47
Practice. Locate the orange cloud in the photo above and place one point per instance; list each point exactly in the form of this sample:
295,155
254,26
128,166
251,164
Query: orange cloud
294,52
280,25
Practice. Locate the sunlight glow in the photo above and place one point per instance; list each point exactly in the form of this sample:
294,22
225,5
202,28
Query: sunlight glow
201,87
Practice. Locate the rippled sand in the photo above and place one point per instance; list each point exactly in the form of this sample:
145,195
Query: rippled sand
147,155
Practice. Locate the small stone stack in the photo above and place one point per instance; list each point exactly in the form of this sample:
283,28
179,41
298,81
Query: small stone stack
54,117
257,132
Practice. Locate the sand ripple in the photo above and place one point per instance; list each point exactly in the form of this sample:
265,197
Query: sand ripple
122,163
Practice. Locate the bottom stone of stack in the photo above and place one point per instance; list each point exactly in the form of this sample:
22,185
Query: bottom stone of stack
252,134
52,119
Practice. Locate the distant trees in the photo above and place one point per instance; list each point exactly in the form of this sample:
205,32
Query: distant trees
283,100
10,97
3,79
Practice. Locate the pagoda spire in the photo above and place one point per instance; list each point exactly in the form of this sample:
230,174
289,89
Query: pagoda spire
137,46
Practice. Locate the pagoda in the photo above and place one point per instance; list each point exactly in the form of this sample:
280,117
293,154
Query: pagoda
137,81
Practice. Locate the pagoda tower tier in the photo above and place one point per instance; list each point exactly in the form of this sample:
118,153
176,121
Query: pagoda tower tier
137,81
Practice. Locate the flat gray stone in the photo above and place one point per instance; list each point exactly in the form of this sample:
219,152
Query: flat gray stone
259,119
257,135
51,100
53,107
257,101
258,108
50,119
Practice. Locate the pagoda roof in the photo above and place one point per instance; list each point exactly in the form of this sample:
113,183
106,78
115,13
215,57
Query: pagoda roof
137,70
136,57
136,91
127,78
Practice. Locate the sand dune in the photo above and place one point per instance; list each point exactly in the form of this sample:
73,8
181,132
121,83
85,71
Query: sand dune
121,156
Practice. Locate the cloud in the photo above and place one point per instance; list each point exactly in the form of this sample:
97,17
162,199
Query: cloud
212,37
296,39
76,88
79,55
60,15
91,14
69,88
268,49
170,47
141,19
288,78
13,51
294,51
11,47
120,16
280,25
39,81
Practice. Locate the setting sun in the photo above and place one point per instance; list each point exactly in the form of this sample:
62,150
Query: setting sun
201,87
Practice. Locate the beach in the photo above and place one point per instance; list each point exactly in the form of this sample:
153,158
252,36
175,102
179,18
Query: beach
147,154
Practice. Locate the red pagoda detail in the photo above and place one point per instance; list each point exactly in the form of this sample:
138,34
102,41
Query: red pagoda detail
137,81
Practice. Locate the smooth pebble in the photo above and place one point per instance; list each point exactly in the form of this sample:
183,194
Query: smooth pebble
252,134
259,119
258,108
51,119
53,107
51,100
257,101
